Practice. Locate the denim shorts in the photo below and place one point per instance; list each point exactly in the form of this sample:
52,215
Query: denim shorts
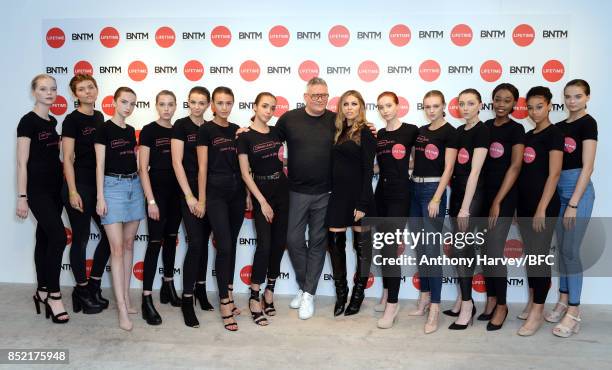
124,200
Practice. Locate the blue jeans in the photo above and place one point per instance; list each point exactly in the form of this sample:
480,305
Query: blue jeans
569,241
430,276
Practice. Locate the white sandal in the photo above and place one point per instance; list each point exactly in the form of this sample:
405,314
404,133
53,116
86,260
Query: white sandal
554,316
564,331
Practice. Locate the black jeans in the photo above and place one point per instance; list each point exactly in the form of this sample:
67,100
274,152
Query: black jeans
81,227
198,233
164,231
50,238
271,237
225,204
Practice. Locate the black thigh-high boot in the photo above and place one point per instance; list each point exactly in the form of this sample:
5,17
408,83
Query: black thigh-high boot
337,252
361,243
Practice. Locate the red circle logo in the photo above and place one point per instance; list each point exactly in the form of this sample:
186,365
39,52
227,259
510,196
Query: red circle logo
570,145
193,70
59,106
281,153
490,70
520,109
88,267
282,105
431,152
249,70
398,151
109,37
553,70
83,67
513,248
245,274
478,283
463,156
461,35
400,35
308,69
278,36
403,108
496,150
416,281
55,37
68,236
107,105
529,155
138,270
429,70
220,36
523,35
332,104
137,71
165,37
453,107
368,71
339,36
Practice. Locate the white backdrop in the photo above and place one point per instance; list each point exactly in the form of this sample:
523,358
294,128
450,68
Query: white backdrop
561,37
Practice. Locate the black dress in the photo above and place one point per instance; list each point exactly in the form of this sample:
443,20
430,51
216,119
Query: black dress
353,168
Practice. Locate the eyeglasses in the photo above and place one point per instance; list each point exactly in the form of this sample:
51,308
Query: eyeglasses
319,96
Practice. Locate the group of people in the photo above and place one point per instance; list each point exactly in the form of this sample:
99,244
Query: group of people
207,173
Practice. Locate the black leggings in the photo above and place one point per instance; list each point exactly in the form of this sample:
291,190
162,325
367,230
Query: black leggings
271,237
465,273
164,231
495,238
50,238
198,233
396,206
81,227
225,204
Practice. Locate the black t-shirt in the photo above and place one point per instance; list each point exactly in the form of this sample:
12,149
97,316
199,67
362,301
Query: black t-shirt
265,151
467,141
44,168
534,171
584,128
120,151
82,128
430,149
309,146
393,150
221,143
157,139
186,131
502,139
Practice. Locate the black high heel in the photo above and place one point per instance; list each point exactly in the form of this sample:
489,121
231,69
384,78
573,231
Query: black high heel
486,316
235,310
149,313
362,249
227,326
96,292
493,327
188,312
200,294
455,326
49,311
258,317
269,308
450,313
38,300
167,293
83,300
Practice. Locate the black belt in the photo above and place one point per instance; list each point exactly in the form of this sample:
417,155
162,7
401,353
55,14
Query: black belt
130,176
274,176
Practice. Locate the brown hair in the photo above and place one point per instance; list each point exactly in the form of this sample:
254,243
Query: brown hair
473,92
78,78
390,94
164,92
39,77
200,90
122,89
438,93
260,96
580,83
354,131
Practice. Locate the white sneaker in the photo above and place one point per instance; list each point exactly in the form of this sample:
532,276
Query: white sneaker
307,306
297,300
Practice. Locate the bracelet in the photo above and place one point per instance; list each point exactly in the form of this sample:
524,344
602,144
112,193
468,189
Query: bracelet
188,196
152,202
72,192
464,211
573,206
436,200
25,196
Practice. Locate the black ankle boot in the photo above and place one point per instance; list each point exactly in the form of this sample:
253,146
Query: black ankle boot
96,292
149,313
82,299
341,296
188,312
357,297
200,294
167,293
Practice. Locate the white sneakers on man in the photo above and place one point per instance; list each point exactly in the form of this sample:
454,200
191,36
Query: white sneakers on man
297,300
307,307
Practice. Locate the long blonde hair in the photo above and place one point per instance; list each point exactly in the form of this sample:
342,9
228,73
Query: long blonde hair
354,132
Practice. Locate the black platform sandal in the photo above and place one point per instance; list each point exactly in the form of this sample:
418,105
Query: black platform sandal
49,312
231,324
269,307
258,317
38,300
235,310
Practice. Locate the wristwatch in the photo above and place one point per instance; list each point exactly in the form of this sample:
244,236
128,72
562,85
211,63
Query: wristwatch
152,202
